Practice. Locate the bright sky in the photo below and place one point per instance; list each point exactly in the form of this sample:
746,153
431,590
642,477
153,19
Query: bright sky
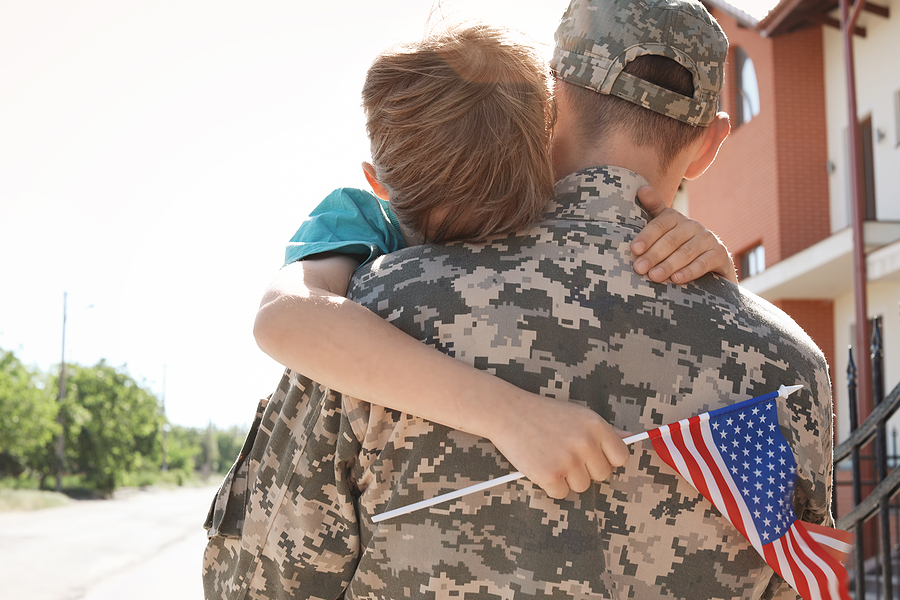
156,155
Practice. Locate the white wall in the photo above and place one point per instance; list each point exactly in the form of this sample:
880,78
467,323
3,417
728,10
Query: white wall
877,82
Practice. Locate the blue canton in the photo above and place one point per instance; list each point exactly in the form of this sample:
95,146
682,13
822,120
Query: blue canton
761,464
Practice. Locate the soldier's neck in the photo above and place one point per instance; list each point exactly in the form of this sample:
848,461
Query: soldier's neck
619,151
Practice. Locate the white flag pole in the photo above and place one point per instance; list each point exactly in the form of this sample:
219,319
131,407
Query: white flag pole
471,489
783,392
445,497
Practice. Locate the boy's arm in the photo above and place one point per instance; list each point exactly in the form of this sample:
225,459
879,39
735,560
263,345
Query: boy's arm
558,445
371,359
675,247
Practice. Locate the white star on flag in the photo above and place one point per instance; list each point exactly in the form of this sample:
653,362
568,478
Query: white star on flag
802,553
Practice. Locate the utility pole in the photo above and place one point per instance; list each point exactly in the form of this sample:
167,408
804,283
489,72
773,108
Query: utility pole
61,438
165,434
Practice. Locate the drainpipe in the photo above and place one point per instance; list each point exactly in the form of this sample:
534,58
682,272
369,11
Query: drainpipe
864,368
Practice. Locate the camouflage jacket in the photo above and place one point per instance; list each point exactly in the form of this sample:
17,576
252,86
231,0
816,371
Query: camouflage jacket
560,312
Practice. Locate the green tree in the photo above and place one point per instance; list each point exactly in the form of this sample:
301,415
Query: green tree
208,450
28,422
113,426
230,442
183,448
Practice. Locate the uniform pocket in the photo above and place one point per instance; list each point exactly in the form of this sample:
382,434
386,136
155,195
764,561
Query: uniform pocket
229,506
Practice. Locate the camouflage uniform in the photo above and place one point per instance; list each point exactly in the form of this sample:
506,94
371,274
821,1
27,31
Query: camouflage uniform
559,312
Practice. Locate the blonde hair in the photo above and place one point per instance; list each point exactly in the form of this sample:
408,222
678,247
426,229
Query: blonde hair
459,129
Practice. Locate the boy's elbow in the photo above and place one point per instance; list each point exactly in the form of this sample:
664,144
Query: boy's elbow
266,326
261,331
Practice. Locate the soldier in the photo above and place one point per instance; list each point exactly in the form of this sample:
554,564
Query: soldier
476,98
559,312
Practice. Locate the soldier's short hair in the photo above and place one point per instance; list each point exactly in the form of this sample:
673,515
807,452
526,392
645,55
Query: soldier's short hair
665,56
598,115
459,130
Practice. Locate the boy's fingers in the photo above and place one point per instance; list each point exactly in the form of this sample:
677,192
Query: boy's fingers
707,262
650,235
695,269
651,201
557,489
616,451
622,433
600,471
579,479
670,254
681,261
663,235
662,220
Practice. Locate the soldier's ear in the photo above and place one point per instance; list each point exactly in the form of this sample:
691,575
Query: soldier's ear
709,146
377,188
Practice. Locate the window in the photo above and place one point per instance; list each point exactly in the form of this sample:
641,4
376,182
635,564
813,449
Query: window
747,89
865,165
753,261
867,168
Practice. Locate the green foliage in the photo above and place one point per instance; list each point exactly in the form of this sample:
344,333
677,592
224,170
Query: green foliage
113,430
29,415
183,447
209,450
112,425
229,442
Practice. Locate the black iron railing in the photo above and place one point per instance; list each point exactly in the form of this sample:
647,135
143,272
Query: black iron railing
875,482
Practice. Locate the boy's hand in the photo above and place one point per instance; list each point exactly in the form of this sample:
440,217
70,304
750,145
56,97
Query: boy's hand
561,446
674,247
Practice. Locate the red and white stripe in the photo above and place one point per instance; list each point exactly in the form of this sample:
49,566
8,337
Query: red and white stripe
807,565
796,556
675,444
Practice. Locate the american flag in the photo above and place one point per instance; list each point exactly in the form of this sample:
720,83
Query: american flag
739,460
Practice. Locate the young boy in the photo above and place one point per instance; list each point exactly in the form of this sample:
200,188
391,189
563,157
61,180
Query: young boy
459,126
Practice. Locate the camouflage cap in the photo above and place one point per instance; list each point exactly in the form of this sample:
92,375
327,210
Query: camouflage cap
597,38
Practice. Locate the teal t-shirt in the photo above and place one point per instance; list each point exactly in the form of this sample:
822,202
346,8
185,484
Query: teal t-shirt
347,221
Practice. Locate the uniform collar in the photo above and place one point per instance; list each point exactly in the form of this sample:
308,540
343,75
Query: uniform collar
599,194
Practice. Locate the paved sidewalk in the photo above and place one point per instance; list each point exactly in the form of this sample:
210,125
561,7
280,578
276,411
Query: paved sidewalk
142,545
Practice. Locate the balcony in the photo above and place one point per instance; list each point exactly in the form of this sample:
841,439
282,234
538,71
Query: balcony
825,270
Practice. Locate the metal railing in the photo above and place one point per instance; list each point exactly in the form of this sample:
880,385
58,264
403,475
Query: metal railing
875,482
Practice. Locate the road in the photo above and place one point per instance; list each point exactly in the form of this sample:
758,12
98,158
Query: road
141,545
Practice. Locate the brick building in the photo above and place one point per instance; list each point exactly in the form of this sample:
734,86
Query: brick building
778,192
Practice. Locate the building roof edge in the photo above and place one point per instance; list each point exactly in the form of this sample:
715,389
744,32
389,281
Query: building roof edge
776,16
745,19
